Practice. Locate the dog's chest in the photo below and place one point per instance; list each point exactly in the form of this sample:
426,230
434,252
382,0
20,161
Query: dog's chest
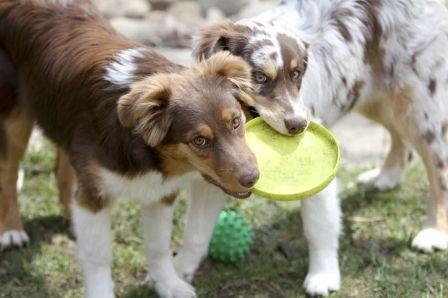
146,188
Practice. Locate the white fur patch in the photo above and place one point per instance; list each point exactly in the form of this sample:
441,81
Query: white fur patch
145,189
121,71
94,239
205,204
13,238
20,179
300,110
157,224
322,284
430,239
321,217
380,179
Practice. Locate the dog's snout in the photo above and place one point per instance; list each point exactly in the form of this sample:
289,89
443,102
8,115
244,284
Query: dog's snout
295,125
249,179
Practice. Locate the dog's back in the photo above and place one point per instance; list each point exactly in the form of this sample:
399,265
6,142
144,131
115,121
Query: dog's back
67,49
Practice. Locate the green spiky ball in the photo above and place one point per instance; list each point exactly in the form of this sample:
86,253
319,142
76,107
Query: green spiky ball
232,238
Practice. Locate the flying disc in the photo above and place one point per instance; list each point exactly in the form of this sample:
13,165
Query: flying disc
292,167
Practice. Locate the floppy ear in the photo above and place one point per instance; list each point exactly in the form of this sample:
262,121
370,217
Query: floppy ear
224,36
231,68
144,108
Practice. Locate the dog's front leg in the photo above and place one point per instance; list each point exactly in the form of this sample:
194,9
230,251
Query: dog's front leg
157,224
206,202
322,225
92,225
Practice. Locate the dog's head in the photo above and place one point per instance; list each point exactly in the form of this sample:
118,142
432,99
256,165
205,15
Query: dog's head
196,122
278,63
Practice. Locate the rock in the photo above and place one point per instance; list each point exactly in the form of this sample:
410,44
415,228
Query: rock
228,7
214,15
135,29
158,28
123,8
161,4
179,56
168,29
254,8
187,13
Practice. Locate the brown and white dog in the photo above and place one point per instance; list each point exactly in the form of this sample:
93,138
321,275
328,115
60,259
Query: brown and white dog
131,123
385,59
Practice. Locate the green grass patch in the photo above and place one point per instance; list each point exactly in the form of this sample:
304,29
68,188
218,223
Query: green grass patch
375,255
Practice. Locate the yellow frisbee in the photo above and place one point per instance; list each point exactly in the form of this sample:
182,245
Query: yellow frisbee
292,167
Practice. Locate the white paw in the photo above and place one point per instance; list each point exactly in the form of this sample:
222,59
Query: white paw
322,283
430,239
186,266
13,238
380,180
101,290
172,288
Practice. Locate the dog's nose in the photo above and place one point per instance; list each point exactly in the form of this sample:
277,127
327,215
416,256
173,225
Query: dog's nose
295,125
249,180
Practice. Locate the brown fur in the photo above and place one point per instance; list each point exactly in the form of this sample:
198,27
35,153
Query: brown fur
66,179
206,131
143,108
373,53
432,87
129,130
18,128
169,200
222,36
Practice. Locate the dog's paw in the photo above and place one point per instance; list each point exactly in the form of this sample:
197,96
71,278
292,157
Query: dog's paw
186,266
172,288
430,239
103,290
322,283
13,238
379,180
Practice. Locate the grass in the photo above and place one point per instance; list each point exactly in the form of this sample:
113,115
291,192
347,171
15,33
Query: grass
375,255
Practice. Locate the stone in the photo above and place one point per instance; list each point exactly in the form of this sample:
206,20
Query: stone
254,8
214,15
137,9
157,29
187,13
228,7
161,4
135,29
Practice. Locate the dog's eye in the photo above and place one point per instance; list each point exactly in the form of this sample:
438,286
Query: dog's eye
260,77
200,141
236,122
296,74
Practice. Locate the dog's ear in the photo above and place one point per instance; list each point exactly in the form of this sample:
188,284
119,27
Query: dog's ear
145,108
233,69
224,36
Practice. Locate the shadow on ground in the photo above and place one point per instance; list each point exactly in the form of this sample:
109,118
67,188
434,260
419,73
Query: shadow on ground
16,265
